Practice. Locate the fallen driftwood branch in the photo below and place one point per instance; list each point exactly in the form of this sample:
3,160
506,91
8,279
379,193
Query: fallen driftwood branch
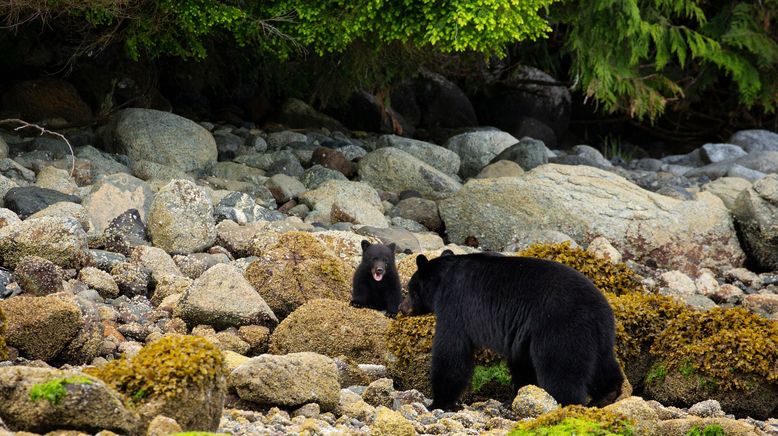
43,130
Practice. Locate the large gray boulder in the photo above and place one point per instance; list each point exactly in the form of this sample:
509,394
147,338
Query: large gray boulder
181,218
762,161
525,96
439,157
477,149
322,199
755,210
223,298
755,140
391,169
288,381
584,203
164,138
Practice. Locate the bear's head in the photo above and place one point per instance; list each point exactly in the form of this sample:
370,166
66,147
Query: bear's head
422,287
379,257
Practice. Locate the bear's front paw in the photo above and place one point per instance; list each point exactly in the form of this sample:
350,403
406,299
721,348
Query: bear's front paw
391,314
357,305
452,407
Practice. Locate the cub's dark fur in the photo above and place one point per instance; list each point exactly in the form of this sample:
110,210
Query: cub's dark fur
376,282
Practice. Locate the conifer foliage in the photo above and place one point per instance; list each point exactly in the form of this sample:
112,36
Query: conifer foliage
636,56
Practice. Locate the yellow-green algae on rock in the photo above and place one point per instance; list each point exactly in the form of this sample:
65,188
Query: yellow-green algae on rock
183,377
298,268
615,278
730,355
576,420
3,348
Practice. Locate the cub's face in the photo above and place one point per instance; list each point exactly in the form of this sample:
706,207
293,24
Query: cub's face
379,257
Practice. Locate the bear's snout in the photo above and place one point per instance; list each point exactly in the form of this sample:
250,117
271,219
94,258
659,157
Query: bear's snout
405,307
378,271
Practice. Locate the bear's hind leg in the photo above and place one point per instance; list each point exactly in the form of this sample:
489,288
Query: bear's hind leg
563,373
522,372
607,381
452,368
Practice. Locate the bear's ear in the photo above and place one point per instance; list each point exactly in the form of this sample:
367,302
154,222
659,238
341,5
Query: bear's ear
447,252
365,244
421,261
393,246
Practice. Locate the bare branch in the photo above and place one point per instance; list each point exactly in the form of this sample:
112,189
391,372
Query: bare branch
42,130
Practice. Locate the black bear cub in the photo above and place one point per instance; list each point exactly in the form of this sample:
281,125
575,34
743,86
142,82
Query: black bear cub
553,326
376,282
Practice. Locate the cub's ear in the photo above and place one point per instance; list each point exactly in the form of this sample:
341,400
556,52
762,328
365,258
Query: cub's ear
446,253
365,244
393,246
421,261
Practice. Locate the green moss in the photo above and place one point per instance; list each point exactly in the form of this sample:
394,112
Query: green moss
165,367
568,426
576,420
657,372
609,277
483,374
687,369
709,430
296,269
55,390
722,344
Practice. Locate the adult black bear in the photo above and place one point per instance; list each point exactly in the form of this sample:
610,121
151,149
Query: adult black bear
376,282
550,322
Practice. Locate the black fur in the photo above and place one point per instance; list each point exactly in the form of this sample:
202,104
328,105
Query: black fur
384,295
550,322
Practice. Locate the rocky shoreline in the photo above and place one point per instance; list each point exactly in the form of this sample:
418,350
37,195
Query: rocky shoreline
249,238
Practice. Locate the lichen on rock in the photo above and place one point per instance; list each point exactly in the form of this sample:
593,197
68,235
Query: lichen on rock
296,269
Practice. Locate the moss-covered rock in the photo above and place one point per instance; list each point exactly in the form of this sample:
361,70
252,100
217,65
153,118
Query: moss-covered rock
390,423
40,327
609,277
3,347
576,420
299,268
59,240
646,418
640,318
182,377
725,354
693,425
409,339
43,399
333,328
